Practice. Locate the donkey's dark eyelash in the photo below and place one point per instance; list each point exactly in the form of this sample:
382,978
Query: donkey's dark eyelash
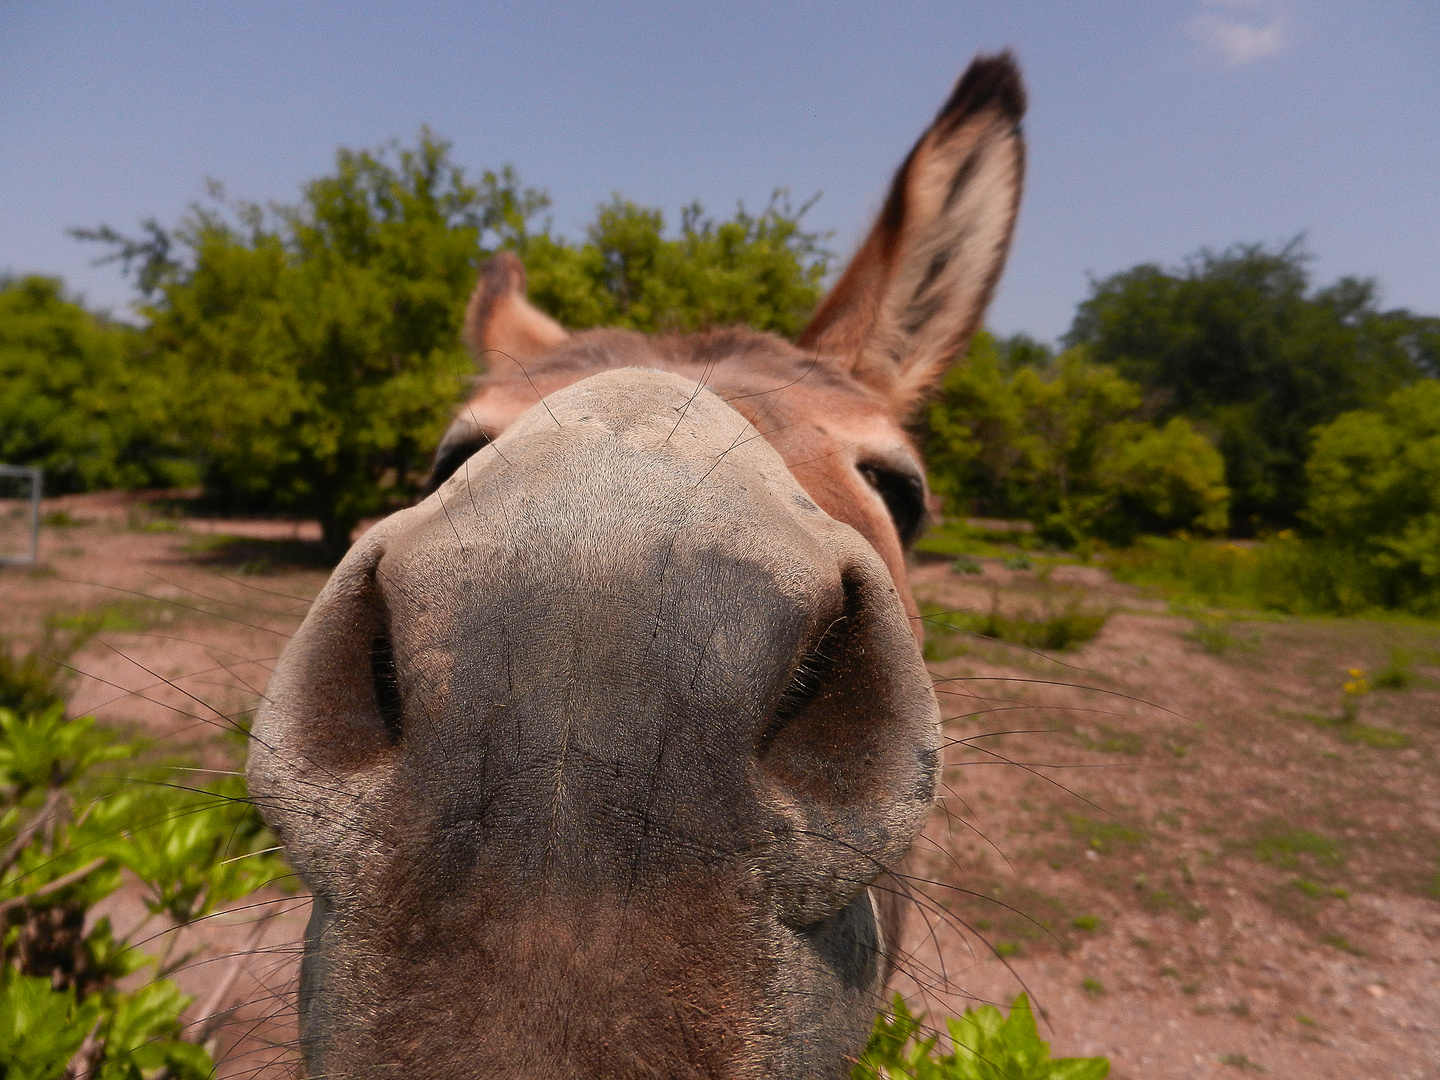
904,496
450,458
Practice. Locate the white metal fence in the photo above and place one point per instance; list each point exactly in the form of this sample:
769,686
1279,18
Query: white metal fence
20,491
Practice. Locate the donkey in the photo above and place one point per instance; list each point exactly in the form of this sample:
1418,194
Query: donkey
596,759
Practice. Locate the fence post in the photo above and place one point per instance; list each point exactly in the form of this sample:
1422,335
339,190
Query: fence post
37,481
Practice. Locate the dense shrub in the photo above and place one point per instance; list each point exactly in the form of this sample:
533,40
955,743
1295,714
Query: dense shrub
77,395
1239,343
1375,492
319,344
1062,445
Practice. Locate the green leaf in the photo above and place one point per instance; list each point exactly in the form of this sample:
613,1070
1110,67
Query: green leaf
40,1028
985,1045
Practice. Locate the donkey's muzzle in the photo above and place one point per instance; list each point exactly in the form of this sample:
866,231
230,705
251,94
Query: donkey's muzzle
618,663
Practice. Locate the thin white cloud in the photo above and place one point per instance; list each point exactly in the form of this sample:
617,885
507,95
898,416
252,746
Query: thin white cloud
1235,39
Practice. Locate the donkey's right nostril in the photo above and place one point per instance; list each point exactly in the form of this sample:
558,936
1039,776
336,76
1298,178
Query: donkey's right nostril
387,685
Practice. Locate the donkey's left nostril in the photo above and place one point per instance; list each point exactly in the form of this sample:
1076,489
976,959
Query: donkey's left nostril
807,681
816,668
387,685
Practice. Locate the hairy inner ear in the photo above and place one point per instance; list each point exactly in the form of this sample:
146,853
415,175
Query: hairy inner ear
916,291
500,320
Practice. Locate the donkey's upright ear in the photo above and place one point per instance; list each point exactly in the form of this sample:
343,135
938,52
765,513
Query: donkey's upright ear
500,320
917,289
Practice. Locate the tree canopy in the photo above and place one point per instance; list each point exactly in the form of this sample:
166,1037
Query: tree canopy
319,343
1059,440
77,397
1239,343
1375,490
761,271
316,346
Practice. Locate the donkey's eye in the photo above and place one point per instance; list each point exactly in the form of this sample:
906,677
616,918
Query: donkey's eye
904,496
449,458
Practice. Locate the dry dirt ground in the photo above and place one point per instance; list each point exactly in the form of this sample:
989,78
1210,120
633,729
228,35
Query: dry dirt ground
1165,835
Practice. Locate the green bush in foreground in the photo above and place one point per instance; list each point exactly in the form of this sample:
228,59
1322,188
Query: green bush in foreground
69,839
984,1045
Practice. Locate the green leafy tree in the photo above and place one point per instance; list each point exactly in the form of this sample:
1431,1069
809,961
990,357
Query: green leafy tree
1059,441
1375,491
77,396
316,348
319,343
761,271
1238,343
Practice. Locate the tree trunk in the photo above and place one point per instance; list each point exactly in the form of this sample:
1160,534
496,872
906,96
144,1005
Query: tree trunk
335,535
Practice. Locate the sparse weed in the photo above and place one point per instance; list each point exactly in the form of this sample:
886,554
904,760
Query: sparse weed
1049,629
1320,892
1297,576
1104,836
1216,635
1112,741
997,540
119,617
1374,737
1354,689
1339,941
62,519
1240,1061
1289,848
1397,674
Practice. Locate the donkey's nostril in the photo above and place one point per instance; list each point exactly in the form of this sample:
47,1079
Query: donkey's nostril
809,678
386,684
816,669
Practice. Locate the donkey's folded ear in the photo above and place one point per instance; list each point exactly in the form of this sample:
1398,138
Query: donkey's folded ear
500,321
916,291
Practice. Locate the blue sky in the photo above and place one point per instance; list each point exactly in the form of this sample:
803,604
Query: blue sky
1155,128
